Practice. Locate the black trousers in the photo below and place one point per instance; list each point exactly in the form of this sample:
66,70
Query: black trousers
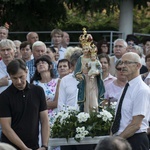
139,141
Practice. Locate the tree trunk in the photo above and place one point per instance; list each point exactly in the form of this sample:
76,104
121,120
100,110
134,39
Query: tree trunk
126,17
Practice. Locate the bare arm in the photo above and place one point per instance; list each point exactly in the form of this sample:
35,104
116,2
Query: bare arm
132,127
10,134
53,104
45,128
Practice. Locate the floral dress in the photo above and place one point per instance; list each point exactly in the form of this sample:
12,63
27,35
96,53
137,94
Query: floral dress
49,90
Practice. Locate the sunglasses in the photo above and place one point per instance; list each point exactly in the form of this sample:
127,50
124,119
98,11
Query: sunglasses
131,44
119,69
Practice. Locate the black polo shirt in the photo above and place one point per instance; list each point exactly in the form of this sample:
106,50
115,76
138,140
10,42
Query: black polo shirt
24,107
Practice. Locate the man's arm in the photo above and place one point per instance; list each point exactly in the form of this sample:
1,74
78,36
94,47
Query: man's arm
10,134
4,81
45,128
61,95
132,127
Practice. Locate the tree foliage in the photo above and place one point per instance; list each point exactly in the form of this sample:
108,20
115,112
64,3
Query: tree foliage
45,15
99,5
26,15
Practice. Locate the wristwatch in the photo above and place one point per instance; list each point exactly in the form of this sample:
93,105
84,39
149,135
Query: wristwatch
46,148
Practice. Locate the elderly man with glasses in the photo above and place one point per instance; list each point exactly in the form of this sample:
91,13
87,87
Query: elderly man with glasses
132,111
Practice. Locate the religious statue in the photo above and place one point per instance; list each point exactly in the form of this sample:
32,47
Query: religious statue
90,91
94,65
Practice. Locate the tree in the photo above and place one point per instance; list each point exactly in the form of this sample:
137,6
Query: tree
31,15
125,6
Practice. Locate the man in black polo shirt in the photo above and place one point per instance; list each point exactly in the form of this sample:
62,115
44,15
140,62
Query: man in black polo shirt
22,106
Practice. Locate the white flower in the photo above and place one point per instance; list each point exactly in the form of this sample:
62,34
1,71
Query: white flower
77,136
86,132
82,117
99,115
113,105
106,115
80,129
64,116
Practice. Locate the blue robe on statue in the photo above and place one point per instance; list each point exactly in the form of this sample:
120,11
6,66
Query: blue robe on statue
82,84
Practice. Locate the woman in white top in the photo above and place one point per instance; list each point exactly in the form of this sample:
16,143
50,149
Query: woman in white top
106,76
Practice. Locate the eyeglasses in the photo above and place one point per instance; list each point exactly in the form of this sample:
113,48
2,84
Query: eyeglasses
131,44
118,69
127,62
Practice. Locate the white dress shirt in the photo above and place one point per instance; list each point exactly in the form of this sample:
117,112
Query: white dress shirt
68,92
3,73
62,51
136,102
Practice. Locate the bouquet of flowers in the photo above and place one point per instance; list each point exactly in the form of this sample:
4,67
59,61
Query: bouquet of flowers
74,124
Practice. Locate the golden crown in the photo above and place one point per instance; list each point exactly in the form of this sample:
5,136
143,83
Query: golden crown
93,49
85,39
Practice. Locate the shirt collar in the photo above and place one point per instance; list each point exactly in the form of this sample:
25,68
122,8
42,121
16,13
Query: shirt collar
135,80
109,77
15,90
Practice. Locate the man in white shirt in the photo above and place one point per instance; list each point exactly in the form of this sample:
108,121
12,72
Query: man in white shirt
120,48
57,36
3,33
7,52
68,90
135,106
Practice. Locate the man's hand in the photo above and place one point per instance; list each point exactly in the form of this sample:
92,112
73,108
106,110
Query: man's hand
148,131
4,81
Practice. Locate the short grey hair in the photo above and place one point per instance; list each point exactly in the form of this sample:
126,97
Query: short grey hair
38,43
2,27
7,43
138,49
121,40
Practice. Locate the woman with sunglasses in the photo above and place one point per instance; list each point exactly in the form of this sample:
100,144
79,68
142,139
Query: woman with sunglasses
113,89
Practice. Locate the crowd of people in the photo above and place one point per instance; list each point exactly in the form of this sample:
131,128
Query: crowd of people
37,80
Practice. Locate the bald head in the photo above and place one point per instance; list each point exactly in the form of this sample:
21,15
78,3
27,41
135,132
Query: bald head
131,65
32,37
113,143
132,56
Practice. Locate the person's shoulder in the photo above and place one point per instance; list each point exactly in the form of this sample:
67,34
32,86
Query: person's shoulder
66,79
7,92
144,75
112,57
140,85
2,65
35,87
110,84
30,61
